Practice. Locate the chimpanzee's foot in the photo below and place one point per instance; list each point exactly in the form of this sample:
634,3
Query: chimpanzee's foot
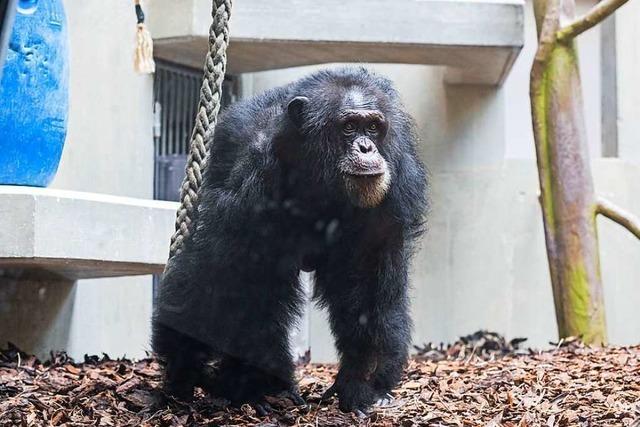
354,395
242,384
179,380
263,407
292,395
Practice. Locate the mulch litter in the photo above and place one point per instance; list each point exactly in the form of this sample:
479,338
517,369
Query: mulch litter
482,380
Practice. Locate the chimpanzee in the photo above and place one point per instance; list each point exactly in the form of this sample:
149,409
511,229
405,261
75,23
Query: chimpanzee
319,175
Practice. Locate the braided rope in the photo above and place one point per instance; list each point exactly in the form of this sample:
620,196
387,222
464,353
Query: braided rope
208,107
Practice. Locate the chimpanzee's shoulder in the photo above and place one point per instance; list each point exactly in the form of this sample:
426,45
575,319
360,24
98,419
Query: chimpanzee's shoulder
243,124
254,110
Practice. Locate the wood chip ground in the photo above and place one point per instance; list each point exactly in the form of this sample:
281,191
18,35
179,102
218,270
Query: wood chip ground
574,386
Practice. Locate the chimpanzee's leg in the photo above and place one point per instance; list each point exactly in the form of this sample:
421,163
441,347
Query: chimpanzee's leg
252,337
367,300
241,382
175,327
183,357
235,289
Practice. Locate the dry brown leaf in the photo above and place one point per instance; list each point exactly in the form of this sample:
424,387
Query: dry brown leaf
72,369
412,385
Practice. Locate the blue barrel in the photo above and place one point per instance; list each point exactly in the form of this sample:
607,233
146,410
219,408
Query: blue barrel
34,94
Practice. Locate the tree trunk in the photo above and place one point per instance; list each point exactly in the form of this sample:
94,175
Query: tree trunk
567,195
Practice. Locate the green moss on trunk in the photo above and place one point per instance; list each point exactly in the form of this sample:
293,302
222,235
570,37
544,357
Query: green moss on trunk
567,195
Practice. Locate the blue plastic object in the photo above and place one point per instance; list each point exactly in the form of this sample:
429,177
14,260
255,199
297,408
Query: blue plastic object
34,94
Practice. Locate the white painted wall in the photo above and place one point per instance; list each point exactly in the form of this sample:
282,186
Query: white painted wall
109,149
109,146
620,181
628,51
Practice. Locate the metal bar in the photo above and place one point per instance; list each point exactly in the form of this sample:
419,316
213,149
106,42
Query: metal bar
172,113
165,107
609,70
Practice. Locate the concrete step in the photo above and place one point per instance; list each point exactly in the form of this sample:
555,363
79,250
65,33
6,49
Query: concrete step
71,235
477,40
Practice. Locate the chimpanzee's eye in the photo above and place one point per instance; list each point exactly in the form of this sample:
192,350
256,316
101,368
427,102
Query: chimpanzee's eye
349,127
373,127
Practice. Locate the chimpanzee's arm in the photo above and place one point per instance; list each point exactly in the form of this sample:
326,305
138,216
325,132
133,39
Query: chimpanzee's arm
368,306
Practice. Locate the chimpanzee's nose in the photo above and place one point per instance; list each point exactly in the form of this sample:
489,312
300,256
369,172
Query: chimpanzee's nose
365,146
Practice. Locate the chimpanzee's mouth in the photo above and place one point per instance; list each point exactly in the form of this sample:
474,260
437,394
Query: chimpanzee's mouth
367,189
366,174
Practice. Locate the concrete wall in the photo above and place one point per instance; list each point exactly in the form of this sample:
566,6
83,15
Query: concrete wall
483,263
621,183
628,69
109,149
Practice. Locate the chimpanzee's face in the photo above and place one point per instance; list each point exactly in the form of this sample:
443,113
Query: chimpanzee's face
354,133
362,129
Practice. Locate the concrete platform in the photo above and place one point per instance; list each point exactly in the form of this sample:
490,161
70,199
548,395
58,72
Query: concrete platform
476,40
70,235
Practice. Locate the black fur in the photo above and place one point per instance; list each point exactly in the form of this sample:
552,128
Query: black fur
272,203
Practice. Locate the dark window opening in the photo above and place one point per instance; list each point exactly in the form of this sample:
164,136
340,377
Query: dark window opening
176,93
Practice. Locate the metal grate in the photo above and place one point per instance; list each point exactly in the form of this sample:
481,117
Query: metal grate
176,92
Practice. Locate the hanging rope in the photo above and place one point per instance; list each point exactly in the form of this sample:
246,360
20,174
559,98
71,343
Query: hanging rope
208,107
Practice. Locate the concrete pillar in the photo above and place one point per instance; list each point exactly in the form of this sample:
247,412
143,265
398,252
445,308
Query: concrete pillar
36,314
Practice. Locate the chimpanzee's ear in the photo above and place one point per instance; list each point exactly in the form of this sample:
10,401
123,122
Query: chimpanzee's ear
295,109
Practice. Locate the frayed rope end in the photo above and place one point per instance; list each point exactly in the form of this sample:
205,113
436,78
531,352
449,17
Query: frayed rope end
143,61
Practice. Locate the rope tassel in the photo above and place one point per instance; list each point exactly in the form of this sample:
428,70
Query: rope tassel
143,60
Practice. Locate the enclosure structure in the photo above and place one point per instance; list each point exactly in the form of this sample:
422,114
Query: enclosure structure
477,41
483,261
